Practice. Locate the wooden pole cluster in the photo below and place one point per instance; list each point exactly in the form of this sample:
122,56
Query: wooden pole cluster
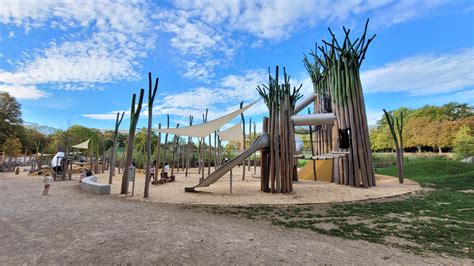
336,81
281,166
134,115
118,121
398,140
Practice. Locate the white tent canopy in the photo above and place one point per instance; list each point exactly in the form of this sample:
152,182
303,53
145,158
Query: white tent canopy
84,145
234,133
207,128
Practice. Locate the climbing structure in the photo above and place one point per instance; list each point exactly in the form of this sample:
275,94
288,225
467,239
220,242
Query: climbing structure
337,85
279,170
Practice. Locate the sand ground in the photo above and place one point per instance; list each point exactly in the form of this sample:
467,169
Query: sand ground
248,192
71,226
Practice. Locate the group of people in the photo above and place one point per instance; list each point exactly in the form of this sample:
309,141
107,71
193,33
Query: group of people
165,175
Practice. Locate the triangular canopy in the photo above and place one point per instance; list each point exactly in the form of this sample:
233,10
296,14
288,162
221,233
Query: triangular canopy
207,128
84,145
233,133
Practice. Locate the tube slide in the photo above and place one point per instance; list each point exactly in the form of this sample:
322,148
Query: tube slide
304,102
313,119
260,143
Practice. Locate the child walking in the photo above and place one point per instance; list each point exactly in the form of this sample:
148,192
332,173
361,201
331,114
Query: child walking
48,179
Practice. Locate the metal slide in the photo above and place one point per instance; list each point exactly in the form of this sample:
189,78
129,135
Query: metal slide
260,143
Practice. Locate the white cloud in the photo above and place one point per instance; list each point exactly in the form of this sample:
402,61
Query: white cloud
226,97
423,75
218,100
373,116
107,116
11,34
197,70
464,96
110,51
23,92
216,29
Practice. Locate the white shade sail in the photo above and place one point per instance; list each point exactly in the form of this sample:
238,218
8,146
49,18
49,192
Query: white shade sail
207,128
234,133
84,145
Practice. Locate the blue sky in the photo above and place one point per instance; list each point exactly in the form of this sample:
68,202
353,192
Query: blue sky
80,62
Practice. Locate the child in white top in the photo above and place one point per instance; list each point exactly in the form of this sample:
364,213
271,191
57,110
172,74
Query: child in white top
47,183
166,169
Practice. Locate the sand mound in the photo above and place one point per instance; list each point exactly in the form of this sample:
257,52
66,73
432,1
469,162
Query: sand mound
248,192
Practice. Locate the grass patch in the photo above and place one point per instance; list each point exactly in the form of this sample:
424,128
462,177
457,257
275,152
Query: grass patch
439,221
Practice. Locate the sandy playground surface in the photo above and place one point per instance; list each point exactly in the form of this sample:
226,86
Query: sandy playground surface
74,227
248,192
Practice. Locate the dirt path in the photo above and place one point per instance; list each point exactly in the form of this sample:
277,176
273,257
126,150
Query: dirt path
70,226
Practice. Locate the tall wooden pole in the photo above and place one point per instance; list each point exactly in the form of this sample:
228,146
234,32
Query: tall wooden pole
118,121
243,138
158,158
134,115
151,100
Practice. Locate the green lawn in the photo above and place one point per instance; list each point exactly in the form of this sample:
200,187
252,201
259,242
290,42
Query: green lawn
440,220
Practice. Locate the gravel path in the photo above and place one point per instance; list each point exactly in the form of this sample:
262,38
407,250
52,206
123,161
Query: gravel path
70,226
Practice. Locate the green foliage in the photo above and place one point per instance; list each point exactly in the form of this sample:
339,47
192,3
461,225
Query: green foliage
10,116
302,163
12,146
381,160
380,139
432,127
464,143
32,138
75,135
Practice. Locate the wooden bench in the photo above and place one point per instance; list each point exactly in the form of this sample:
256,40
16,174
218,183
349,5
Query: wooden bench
89,184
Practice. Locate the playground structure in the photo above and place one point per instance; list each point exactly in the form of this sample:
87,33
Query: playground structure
338,121
338,89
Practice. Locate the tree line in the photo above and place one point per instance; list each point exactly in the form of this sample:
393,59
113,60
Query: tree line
446,128
17,140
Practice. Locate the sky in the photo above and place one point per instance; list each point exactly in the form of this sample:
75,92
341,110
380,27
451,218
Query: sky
79,62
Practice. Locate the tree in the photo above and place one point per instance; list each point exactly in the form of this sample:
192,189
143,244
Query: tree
438,134
231,148
456,111
432,112
464,143
380,138
10,115
12,147
414,132
31,138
